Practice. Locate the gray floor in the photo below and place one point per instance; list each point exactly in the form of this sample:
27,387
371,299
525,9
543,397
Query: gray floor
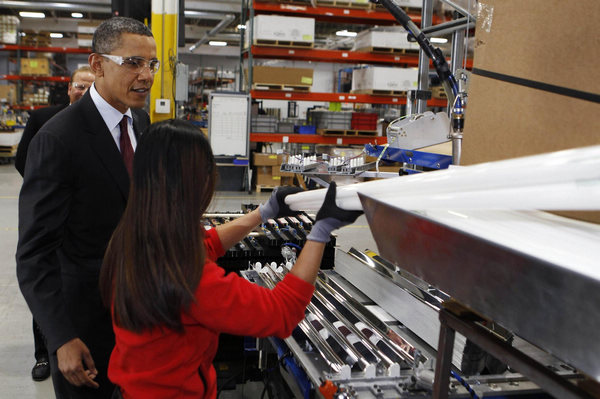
16,340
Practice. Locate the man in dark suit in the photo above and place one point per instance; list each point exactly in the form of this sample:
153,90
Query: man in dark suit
81,79
74,192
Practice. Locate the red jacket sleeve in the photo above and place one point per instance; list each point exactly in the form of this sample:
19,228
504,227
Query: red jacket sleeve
212,242
232,304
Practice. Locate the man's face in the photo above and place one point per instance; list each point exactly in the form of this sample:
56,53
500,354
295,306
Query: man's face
124,87
80,84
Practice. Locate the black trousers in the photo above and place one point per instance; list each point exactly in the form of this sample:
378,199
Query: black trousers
117,394
94,328
39,342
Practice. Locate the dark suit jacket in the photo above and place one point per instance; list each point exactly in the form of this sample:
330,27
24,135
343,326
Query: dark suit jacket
36,120
74,192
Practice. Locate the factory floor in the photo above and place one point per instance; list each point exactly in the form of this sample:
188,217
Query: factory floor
16,339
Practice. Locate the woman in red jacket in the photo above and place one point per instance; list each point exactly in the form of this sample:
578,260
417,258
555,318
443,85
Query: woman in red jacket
168,297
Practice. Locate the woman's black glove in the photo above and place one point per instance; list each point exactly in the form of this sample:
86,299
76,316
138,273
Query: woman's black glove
330,217
276,207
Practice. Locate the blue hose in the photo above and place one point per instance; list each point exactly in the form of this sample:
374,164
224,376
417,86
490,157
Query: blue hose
464,384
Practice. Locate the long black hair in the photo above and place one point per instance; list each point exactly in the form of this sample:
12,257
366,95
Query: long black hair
155,257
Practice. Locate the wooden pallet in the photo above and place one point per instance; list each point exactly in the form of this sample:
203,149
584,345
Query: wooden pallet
344,4
283,43
346,132
8,150
388,50
381,92
265,86
260,187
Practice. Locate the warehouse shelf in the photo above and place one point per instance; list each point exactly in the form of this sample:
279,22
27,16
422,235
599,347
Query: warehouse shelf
340,56
15,47
315,139
37,78
28,107
335,14
337,97
322,55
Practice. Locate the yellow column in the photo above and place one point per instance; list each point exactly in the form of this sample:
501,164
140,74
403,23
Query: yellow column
164,29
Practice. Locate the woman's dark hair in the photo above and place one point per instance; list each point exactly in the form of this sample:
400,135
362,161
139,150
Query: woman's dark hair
155,258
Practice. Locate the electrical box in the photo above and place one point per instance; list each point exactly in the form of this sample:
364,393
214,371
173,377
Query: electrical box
163,106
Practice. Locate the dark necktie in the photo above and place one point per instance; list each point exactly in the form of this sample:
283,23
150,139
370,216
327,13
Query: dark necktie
126,148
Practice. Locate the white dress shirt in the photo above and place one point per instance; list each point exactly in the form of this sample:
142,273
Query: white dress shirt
112,117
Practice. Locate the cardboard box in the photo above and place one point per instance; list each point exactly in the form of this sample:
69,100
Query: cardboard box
410,3
35,66
8,93
9,26
394,40
264,177
84,40
535,77
384,79
261,159
282,76
282,29
87,28
277,172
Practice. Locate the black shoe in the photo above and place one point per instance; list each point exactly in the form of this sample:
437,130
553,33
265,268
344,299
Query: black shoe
41,370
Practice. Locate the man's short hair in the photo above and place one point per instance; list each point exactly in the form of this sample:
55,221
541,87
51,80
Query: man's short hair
107,36
81,70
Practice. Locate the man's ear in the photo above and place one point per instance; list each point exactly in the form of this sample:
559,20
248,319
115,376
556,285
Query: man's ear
95,61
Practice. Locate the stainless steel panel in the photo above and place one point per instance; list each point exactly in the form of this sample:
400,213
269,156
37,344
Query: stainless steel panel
551,306
418,316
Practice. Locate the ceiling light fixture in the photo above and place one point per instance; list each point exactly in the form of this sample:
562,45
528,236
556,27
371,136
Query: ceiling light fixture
77,15
30,14
438,40
345,33
56,35
217,43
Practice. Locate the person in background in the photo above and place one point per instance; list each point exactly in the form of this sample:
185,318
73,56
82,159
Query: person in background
160,250
74,192
81,80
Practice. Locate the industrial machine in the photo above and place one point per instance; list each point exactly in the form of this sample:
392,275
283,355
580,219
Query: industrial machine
472,292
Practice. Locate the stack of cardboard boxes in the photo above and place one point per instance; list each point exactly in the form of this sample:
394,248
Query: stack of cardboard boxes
266,171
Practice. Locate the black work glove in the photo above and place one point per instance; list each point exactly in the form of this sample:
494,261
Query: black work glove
330,217
276,207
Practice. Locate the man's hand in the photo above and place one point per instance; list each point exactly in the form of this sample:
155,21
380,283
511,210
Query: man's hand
71,358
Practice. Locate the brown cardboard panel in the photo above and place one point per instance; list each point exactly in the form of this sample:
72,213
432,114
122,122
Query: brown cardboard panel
551,41
267,159
268,180
546,41
507,121
277,172
8,93
35,66
282,76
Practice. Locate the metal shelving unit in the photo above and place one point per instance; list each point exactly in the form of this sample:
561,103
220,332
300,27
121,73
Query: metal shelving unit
337,97
332,14
340,56
21,78
68,50
314,139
